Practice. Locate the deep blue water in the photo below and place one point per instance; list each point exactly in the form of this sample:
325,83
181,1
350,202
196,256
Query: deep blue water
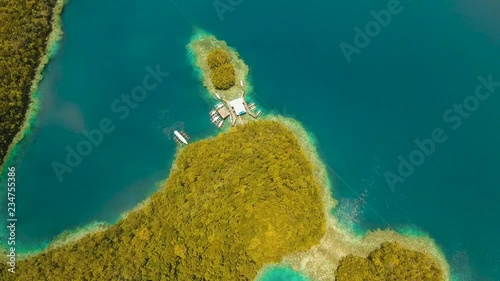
364,114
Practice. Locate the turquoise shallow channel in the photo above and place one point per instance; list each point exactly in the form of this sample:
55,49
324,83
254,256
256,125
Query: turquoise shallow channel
281,274
365,115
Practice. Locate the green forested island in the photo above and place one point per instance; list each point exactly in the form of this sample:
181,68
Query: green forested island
24,29
232,204
221,69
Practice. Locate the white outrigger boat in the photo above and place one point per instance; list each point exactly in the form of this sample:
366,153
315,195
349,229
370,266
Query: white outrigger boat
180,137
220,123
215,119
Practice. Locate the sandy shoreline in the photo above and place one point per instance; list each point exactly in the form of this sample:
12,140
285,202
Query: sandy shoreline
65,238
53,39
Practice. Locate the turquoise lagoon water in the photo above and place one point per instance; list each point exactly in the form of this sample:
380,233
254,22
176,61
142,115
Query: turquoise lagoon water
281,274
364,114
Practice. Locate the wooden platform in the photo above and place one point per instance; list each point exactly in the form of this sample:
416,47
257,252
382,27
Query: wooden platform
223,112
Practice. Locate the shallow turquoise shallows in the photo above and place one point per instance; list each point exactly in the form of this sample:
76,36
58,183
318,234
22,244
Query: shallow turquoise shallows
281,274
369,116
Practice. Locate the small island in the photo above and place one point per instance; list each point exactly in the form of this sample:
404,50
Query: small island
220,68
224,76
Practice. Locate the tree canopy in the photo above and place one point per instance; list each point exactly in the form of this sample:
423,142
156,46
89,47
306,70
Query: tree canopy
222,72
24,28
232,204
217,58
223,77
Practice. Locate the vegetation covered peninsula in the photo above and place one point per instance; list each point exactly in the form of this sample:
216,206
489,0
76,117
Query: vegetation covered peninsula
372,256
232,204
25,28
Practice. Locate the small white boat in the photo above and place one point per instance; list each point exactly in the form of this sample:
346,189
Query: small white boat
219,106
220,124
180,137
241,83
217,96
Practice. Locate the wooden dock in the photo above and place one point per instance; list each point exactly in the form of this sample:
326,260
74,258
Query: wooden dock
248,109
